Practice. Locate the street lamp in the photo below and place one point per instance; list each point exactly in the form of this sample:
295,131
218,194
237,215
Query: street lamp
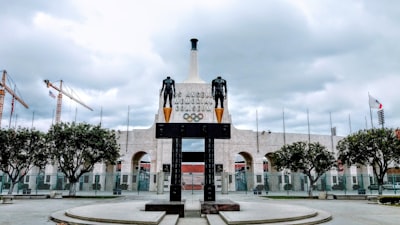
192,181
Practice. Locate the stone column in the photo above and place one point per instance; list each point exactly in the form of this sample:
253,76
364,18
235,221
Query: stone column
175,193
209,186
160,182
224,182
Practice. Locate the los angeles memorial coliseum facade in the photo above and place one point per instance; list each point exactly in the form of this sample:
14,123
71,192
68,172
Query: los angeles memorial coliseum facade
241,162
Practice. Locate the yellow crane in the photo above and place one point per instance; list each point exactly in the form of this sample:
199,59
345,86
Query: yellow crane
3,89
59,99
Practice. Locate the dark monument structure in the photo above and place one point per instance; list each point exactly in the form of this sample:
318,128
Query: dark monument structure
207,131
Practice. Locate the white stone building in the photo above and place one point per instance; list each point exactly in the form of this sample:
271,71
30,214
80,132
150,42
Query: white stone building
144,161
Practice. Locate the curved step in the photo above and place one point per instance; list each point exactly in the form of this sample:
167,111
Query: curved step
61,217
321,217
273,213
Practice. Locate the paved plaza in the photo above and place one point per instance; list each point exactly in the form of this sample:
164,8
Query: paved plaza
351,212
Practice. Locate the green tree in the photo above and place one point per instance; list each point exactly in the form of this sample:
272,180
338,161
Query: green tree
379,148
76,148
312,159
20,151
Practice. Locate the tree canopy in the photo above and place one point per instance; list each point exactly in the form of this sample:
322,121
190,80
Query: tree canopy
379,148
20,150
76,148
311,159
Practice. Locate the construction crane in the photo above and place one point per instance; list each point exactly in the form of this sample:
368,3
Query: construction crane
59,99
3,89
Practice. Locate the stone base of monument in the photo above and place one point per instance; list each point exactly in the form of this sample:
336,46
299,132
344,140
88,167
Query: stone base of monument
170,207
214,207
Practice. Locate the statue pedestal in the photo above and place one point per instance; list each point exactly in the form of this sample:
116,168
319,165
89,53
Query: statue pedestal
167,114
219,112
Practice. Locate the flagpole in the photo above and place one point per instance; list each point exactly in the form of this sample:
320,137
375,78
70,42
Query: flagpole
127,131
101,115
350,124
258,144
76,113
370,110
330,120
284,129
33,118
308,123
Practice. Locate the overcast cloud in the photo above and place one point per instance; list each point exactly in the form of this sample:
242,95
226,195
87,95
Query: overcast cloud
278,57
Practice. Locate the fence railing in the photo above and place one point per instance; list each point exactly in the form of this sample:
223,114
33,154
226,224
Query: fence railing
271,183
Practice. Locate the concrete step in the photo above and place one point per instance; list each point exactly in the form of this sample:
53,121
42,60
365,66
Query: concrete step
192,208
215,219
169,220
60,217
320,217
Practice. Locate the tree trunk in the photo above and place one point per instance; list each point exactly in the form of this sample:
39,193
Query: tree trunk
12,185
380,188
310,193
72,189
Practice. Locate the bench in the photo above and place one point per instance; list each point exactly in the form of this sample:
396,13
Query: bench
117,191
258,189
55,194
8,199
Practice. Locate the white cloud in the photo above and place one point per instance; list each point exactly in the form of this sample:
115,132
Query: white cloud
275,55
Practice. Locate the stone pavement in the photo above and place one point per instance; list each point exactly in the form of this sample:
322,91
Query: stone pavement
351,212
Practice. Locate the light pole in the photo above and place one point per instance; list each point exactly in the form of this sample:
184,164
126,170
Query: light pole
287,184
192,181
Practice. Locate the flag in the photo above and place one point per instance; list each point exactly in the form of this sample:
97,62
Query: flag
51,94
374,103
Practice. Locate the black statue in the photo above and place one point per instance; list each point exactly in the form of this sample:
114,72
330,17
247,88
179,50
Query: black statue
168,86
219,91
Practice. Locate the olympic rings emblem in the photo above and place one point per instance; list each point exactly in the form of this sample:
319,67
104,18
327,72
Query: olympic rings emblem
193,117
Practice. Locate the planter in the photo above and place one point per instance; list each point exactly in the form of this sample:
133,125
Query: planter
322,195
8,199
26,191
117,191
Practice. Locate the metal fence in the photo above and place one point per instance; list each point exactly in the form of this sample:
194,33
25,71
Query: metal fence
267,183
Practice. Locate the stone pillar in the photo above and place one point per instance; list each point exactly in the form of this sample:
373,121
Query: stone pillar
209,186
224,182
160,182
362,176
175,193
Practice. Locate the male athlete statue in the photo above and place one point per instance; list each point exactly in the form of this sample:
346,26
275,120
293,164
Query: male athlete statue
219,91
168,86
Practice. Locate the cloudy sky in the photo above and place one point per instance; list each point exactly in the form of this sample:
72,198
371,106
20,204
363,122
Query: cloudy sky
278,57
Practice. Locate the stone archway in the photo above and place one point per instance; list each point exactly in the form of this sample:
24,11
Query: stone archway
271,175
244,172
140,171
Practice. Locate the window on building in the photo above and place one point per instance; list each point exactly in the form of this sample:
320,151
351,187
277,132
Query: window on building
124,179
258,178
96,178
334,179
354,179
47,178
27,179
86,179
